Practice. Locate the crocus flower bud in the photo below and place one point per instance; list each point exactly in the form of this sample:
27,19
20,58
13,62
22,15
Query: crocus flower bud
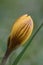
21,31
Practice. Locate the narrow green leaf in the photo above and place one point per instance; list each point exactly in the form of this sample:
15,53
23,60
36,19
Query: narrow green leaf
22,52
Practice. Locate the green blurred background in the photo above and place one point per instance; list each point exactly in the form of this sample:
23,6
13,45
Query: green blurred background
10,10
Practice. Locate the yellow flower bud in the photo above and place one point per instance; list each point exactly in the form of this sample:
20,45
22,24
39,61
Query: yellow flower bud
21,31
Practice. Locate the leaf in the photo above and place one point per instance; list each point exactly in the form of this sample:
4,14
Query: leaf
22,52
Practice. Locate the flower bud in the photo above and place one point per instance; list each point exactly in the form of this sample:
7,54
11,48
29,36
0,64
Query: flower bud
21,31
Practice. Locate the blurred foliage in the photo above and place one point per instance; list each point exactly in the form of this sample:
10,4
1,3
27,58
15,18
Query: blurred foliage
10,10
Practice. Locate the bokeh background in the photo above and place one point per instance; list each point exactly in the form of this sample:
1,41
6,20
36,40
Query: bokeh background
10,10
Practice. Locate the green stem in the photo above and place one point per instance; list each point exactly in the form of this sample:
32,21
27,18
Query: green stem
22,52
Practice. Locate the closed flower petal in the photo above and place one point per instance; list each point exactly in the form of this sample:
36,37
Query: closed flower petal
21,31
